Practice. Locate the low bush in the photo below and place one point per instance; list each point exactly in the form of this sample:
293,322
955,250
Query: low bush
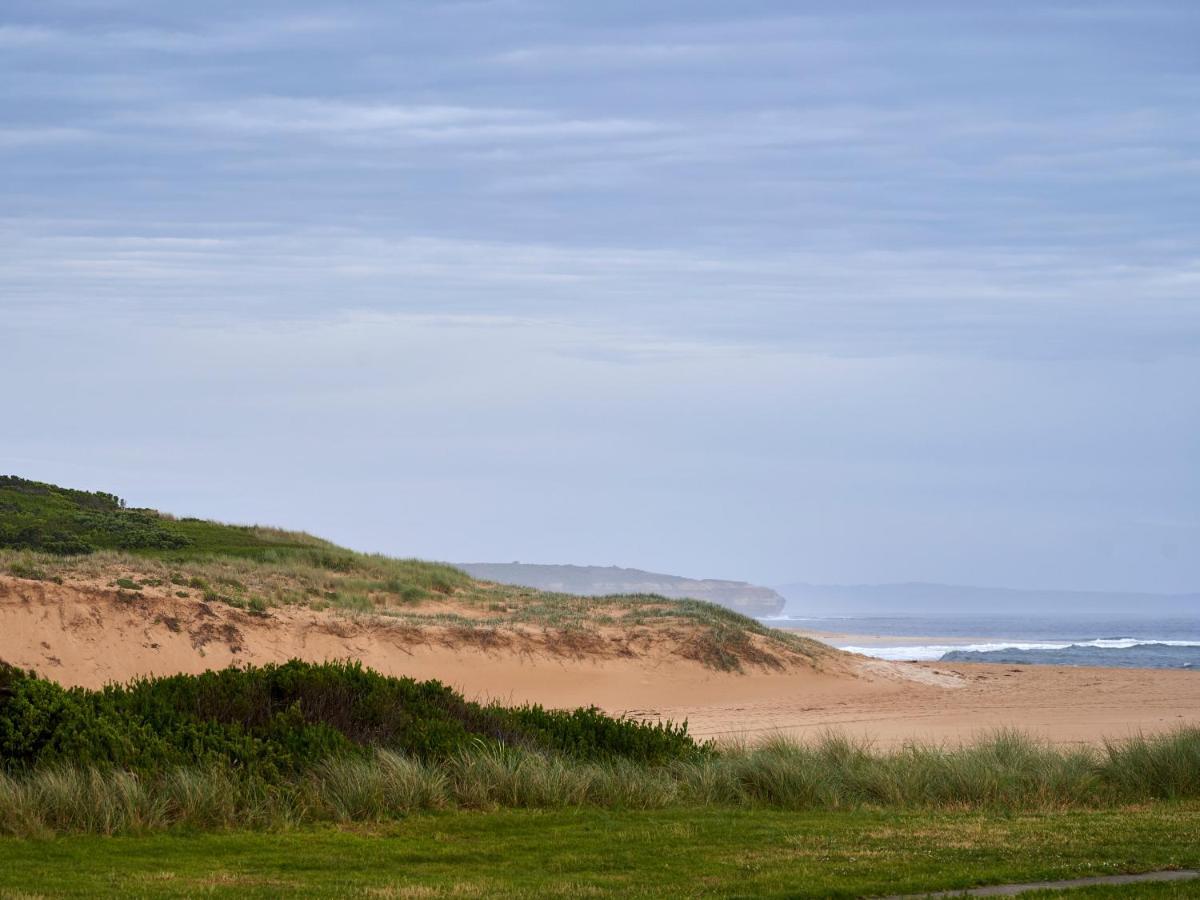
279,720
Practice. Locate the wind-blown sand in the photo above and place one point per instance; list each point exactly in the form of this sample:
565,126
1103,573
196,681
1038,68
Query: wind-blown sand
90,636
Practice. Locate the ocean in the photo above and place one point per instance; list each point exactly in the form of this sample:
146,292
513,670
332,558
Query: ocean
1125,641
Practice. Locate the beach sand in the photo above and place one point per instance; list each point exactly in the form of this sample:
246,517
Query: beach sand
79,638
1061,704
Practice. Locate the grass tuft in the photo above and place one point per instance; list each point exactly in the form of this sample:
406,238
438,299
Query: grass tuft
1007,773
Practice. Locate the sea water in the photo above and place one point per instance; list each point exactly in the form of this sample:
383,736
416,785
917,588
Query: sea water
1077,640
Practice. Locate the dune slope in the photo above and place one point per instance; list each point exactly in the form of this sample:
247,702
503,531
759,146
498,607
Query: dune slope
92,592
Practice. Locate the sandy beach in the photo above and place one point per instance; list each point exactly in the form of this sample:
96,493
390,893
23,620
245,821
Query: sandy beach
77,639
1061,704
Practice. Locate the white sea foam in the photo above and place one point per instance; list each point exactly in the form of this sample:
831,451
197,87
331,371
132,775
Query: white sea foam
929,652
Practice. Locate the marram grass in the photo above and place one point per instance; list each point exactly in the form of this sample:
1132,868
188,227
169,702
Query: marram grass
1007,771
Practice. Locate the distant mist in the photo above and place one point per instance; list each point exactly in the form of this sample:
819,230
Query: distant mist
749,599
919,598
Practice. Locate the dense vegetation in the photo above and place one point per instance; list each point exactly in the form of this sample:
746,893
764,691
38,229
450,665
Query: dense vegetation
1006,775
265,747
281,720
63,521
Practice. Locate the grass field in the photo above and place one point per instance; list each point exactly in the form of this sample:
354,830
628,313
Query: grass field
760,853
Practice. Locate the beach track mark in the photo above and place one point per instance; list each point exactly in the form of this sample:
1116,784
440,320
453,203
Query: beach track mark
1012,890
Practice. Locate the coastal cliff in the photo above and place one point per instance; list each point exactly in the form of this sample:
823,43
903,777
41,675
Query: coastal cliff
748,599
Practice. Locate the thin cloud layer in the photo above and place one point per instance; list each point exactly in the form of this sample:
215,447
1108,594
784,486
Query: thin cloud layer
672,257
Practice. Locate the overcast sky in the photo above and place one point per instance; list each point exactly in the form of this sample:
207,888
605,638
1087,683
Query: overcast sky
823,291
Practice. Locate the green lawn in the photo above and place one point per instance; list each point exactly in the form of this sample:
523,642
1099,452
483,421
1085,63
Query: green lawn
1157,891
676,852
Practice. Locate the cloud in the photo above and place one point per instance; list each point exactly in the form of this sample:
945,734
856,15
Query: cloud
1120,12
443,428
517,269
24,137
18,36
703,49
386,123
239,36
634,54
1008,303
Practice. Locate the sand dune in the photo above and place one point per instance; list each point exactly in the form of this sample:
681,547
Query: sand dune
89,635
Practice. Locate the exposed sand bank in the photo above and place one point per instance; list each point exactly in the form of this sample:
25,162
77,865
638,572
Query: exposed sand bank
89,636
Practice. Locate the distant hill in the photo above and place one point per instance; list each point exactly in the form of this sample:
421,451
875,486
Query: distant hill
916,598
749,599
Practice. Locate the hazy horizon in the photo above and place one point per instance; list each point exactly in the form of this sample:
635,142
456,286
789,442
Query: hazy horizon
776,293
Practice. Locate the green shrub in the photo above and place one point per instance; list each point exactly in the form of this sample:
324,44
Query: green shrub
280,719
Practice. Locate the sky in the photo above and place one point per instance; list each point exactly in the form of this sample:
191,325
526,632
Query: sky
837,292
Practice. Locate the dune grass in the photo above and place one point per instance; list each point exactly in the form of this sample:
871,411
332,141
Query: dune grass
1007,773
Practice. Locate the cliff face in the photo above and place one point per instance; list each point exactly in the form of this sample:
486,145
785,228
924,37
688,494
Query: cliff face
748,599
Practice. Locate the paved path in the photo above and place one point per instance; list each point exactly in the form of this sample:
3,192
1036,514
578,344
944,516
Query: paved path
1011,890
